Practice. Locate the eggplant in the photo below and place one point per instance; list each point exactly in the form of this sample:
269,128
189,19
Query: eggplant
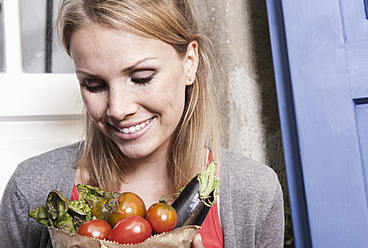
197,197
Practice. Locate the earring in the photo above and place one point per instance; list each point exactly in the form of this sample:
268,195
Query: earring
190,79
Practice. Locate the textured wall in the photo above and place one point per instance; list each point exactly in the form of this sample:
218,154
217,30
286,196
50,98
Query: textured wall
239,31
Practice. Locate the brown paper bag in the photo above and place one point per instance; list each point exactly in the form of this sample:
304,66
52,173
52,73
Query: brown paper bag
180,238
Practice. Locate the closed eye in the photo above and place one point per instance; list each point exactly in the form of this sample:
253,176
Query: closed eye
144,80
94,85
142,76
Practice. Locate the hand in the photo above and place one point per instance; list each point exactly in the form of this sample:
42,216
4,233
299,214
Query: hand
197,241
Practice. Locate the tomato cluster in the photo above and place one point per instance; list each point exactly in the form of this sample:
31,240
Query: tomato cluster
124,219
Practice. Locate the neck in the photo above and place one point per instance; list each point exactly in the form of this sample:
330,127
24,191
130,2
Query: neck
150,181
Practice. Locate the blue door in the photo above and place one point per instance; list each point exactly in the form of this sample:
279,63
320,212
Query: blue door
320,53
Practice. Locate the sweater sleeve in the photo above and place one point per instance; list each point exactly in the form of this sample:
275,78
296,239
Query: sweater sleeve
27,189
251,203
272,229
13,217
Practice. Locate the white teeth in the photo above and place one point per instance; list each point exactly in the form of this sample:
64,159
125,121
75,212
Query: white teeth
133,129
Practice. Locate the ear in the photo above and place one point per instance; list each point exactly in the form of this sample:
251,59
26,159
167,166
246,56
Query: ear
191,61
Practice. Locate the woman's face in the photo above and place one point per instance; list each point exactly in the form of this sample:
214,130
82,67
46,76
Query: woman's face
133,87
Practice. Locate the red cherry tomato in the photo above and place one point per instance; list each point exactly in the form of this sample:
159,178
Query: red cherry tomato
131,230
99,229
128,204
162,217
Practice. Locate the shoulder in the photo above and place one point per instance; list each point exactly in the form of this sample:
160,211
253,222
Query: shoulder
66,155
45,165
244,172
37,176
250,184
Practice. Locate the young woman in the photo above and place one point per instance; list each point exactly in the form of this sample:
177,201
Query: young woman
146,77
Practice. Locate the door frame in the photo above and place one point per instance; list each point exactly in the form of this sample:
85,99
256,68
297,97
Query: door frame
288,124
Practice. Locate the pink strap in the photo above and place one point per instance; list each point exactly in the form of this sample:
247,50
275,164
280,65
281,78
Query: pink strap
75,195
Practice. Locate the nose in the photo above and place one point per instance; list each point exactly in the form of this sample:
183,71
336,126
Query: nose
121,103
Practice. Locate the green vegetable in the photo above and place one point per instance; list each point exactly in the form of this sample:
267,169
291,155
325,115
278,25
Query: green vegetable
58,212
41,215
90,193
208,185
57,207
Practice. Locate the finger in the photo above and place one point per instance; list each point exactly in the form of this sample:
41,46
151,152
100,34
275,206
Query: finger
197,241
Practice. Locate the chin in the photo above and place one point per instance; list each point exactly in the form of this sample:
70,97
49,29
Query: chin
134,153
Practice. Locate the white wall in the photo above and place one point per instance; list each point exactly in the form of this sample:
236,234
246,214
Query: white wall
23,139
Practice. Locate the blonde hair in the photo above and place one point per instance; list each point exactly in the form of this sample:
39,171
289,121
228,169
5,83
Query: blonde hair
171,21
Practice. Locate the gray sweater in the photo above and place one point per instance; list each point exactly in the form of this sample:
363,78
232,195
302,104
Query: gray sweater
251,202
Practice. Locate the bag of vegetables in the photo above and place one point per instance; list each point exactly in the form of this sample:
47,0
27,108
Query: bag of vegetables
108,219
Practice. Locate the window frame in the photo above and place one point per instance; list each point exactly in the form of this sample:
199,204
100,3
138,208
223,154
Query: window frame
24,95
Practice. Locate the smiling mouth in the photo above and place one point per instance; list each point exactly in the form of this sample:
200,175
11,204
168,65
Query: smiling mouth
133,129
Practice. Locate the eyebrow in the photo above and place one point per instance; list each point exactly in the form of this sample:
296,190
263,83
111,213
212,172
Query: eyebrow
126,70
130,68
85,73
